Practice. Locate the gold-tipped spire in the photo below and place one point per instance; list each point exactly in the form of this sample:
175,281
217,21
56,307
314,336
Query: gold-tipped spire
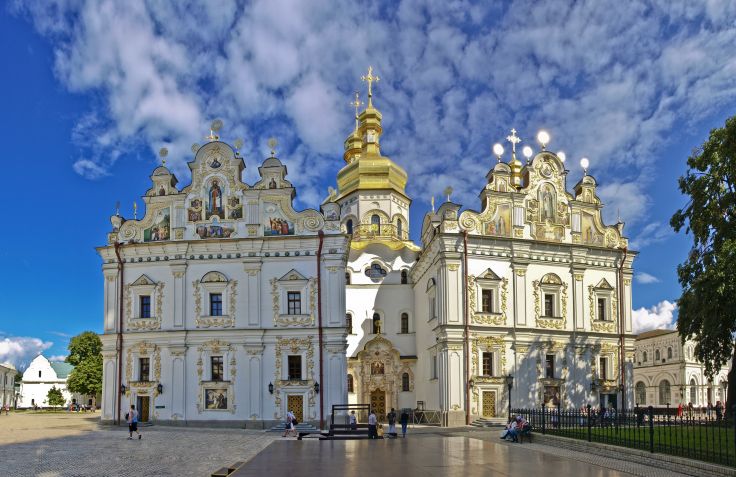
162,153
272,143
515,164
356,103
135,210
370,78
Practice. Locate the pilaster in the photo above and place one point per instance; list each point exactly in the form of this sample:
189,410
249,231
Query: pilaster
253,292
179,300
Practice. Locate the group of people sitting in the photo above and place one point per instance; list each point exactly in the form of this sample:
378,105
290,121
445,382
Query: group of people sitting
515,427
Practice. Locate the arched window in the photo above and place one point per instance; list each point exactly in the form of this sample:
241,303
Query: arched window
664,392
645,357
376,223
404,322
349,323
350,384
376,323
657,356
404,277
400,229
669,353
349,227
405,382
347,278
693,392
641,394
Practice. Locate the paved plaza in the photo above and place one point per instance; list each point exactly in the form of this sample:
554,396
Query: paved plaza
60,445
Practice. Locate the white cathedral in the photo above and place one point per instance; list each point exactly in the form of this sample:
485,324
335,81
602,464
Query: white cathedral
225,306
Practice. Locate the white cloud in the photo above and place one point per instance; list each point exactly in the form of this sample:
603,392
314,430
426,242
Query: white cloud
20,350
658,316
651,233
608,82
645,278
57,357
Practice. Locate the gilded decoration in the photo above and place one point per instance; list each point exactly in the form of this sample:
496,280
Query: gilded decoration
494,220
138,323
284,320
295,346
378,367
148,350
487,343
224,390
556,323
603,326
479,317
612,351
223,321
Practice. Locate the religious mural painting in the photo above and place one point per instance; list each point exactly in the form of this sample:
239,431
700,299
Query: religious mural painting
194,213
235,209
215,203
215,230
275,222
547,202
501,221
160,230
590,231
552,396
215,398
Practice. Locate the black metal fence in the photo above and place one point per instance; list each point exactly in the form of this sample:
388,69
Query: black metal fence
708,436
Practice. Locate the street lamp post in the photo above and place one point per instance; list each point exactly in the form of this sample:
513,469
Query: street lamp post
510,385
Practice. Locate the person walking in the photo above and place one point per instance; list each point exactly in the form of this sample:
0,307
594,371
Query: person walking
132,418
391,417
404,419
372,422
291,422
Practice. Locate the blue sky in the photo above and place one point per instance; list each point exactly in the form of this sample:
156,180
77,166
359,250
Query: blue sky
94,88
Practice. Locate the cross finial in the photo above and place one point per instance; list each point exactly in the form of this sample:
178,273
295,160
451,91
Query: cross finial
272,143
370,78
513,139
356,103
117,208
135,210
163,152
432,201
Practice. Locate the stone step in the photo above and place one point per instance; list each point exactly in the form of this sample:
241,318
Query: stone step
301,427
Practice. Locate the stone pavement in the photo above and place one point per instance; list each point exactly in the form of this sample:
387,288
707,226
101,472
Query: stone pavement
163,451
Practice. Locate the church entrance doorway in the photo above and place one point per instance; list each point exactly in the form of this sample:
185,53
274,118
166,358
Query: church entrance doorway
378,403
489,403
295,404
143,408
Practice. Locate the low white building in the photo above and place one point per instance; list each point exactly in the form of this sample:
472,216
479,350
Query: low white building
40,377
7,384
667,372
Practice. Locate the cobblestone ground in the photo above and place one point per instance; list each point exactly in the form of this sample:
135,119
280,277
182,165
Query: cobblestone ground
89,450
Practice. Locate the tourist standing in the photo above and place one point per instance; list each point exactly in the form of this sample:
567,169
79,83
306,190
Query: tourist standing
392,423
372,422
404,422
353,421
132,418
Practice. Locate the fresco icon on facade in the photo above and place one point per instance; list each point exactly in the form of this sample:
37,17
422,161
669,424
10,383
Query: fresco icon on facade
499,225
215,398
194,213
160,228
215,230
234,208
274,221
215,205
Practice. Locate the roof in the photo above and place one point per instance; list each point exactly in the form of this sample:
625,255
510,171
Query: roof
62,369
653,333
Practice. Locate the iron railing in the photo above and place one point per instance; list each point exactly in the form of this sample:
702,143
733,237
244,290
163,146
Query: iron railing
706,436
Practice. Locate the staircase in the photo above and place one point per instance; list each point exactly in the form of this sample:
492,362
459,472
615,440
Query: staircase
301,427
489,422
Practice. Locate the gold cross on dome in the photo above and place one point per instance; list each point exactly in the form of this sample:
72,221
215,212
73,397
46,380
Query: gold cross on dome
370,78
356,103
513,139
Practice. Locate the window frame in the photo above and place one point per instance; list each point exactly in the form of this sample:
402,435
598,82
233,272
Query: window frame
487,363
405,382
298,362
214,365
293,297
549,366
144,309
404,322
351,384
144,371
552,303
216,306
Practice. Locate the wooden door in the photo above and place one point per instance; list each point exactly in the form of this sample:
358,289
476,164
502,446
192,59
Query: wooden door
143,408
295,404
489,403
378,403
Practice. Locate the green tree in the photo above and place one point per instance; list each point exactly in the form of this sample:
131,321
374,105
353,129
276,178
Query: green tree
55,397
82,346
85,353
707,307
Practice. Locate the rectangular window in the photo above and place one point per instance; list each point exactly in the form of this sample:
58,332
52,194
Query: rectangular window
602,309
349,323
404,323
549,304
432,308
487,364
604,368
218,371
487,301
549,369
294,300
145,306
215,304
295,366
144,369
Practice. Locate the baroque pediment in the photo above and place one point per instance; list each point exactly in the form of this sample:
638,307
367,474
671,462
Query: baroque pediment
292,275
143,280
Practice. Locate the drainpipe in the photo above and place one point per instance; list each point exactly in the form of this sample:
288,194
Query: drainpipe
621,326
467,330
119,342
321,235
